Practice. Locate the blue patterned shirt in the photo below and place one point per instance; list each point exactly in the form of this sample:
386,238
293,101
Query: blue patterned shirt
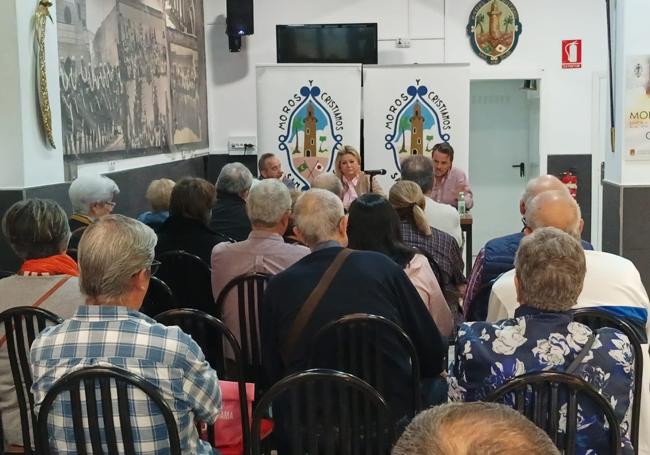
490,354
115,336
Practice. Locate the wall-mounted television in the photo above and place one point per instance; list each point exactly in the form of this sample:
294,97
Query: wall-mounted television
327,43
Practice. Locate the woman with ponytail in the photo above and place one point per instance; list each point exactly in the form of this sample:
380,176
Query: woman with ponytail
442,250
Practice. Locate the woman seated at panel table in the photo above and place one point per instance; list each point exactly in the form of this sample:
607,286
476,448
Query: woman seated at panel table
355,183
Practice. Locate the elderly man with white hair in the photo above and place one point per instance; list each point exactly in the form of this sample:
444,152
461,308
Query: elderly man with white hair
549,274
264,251
92,197
229,216
612,283
361,282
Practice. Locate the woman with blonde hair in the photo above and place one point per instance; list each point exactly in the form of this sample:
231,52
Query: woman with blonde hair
158,195
347,167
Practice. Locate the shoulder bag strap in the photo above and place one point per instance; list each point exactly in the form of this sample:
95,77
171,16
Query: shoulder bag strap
303,316
581,355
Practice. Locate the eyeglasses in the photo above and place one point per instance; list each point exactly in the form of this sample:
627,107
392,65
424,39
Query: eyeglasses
111,203
155,265
523,220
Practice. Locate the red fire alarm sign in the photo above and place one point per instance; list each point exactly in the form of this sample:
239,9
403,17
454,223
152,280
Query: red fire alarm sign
572,53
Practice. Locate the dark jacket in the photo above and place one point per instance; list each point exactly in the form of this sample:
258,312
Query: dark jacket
229,217
179,233
78,224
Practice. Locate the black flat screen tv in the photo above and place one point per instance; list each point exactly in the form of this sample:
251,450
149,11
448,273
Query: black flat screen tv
327,43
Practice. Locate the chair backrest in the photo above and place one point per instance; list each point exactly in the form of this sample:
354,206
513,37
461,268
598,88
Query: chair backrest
541,396
6,273
102,386
325,412
358,344
189,279
159,298
250,292
73,253
209,333
596,319
22,324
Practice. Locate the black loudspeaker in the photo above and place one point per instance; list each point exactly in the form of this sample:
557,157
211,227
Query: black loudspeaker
239,22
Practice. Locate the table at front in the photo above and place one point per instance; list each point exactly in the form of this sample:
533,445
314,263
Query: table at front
466,222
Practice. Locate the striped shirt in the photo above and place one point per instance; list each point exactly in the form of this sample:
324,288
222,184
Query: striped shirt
115,336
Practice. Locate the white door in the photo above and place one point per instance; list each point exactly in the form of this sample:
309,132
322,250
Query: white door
503,154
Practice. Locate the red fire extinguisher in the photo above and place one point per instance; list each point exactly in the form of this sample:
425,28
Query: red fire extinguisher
570,179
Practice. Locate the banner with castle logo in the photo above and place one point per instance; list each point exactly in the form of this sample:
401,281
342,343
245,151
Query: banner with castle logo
305,114
410,108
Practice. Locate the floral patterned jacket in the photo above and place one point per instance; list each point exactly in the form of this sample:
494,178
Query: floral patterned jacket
489,355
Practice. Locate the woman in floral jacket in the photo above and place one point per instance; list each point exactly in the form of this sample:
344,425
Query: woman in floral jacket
550,269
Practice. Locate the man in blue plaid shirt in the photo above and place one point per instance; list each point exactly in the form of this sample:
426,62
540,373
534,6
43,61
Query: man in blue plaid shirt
115,258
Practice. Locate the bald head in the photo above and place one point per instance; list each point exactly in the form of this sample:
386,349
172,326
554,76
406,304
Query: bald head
554,209
539,185
319,217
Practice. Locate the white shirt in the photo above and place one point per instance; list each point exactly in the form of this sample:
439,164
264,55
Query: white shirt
610,281
443,217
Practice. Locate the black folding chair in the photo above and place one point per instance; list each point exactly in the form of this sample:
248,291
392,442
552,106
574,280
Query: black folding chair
22,324
358,344
596,319
325,412
101,386
159,298
540,396
250,292
189,278
209,333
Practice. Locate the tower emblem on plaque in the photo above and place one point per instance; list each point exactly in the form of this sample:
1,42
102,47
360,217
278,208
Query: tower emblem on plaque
494,30
416,120
311,134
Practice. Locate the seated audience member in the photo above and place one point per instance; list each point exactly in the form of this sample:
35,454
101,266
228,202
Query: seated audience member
92,197
38,232
441,249
449,181
473,429
187,226
229,216
367,282
549,274
498,255
347,167
419,169
612,283
158,194
115,256
290,236
330,182
269,208
373,225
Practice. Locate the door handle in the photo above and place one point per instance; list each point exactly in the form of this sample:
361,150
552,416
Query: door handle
522,169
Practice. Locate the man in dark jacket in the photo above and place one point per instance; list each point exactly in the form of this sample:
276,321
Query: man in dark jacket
229,216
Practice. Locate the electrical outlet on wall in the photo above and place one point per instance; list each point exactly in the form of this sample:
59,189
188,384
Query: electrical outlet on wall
242,145
402,43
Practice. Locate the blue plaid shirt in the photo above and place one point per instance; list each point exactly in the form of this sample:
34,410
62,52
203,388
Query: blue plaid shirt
115,336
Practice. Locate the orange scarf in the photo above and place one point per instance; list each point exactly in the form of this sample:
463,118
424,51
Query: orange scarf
60,264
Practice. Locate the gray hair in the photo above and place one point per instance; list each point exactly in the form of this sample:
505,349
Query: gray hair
556,209
87,190
36,228
267,202
540,184
473,429
418,169
111,250
317,215
330,182
550,268
234,178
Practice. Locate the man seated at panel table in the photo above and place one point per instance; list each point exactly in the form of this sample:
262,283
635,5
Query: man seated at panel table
449,181
612,283
269,207
549,273
498,255
270,167
115,258
367,282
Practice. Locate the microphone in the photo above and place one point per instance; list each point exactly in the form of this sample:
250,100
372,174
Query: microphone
374,172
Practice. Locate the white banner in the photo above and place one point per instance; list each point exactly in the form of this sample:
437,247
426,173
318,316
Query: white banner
636,136
410,108
305,114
